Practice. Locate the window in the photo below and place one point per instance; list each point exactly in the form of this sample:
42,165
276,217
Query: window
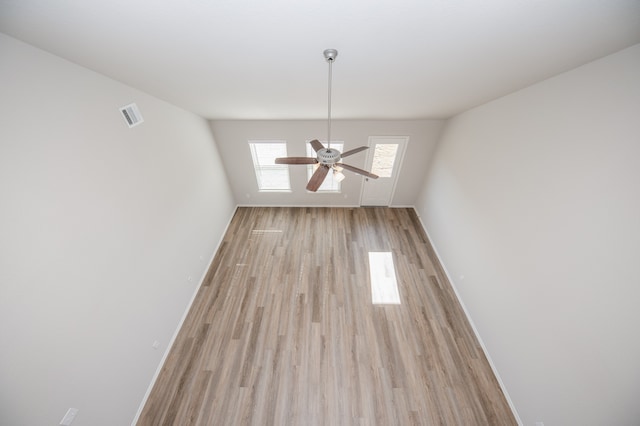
270,176
330,184
383,158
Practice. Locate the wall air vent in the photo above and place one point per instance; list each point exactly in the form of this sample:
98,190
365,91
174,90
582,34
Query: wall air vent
131,115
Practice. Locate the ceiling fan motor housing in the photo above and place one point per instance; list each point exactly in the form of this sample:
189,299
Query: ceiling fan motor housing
328,156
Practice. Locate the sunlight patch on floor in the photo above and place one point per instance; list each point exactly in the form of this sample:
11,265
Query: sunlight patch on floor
266,231
384,286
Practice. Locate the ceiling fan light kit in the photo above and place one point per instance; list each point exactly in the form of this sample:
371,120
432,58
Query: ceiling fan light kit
327,158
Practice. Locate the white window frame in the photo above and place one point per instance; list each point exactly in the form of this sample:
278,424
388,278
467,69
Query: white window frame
264,165
329,184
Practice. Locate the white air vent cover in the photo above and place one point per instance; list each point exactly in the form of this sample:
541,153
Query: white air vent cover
131,115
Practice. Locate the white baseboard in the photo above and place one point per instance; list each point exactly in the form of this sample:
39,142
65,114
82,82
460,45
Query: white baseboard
302,206
179,327
473,326
346,206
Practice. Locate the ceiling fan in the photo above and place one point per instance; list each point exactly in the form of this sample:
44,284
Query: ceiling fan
327,158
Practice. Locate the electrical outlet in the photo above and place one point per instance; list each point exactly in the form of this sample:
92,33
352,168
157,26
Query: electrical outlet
539,424
69,417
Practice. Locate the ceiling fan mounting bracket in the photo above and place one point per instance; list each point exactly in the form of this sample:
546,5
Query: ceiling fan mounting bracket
330,54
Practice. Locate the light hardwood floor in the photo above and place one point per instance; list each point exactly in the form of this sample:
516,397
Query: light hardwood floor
283,331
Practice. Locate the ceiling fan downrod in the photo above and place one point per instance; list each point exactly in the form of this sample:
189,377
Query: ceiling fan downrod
330,55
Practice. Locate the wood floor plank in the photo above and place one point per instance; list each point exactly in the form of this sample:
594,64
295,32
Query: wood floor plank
283,331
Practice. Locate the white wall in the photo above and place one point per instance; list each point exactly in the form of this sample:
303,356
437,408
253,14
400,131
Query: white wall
233,136
100,228
535,199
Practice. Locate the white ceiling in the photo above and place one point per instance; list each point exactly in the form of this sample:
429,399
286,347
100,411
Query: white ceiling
262,59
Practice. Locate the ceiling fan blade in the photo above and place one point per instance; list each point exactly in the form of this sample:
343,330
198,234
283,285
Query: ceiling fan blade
357,170
317,178
296,160
354,151
316,145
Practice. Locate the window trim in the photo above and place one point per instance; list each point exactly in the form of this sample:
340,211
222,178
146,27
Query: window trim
260,168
